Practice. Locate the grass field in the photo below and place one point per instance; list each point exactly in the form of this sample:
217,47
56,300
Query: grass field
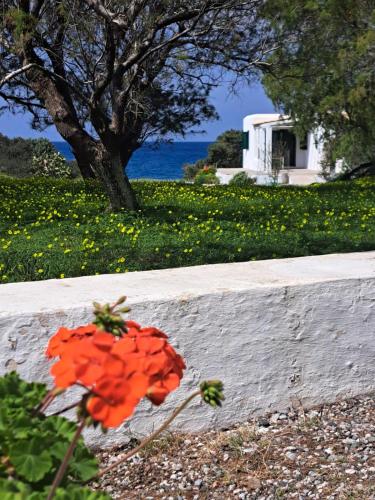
57,229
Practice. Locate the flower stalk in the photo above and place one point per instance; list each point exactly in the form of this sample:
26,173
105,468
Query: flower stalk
64,464
151,437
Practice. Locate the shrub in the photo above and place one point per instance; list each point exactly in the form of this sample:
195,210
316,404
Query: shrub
25,157
242,180
115,363
225,152
206,177
47,162
191,169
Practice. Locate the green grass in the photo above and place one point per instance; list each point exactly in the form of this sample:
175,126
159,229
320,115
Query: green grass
55,229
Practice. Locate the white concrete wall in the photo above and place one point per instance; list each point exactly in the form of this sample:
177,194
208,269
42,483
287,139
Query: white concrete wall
249,154
252,159
274,331
301,154
315,151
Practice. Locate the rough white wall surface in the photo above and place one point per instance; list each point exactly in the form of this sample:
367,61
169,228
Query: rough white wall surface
277,332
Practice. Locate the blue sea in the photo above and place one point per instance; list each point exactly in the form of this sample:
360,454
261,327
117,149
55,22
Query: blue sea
156,162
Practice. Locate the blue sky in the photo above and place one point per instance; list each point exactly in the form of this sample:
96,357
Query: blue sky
231,108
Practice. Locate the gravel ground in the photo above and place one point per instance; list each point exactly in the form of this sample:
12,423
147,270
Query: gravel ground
323,453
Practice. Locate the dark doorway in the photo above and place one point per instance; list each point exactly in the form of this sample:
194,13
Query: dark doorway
284,146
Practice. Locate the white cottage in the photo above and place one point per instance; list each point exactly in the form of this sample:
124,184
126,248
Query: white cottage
269,144
269,139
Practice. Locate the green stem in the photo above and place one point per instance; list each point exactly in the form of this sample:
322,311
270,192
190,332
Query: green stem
152,436
64,464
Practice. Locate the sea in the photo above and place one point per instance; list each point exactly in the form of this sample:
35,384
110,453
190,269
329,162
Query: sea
151,161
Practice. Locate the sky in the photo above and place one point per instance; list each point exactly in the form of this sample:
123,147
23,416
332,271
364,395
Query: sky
232,109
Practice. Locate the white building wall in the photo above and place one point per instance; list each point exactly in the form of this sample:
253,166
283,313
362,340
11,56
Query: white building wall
301,155
315,151
252,157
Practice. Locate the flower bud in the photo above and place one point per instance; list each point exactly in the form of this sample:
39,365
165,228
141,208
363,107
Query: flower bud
212,392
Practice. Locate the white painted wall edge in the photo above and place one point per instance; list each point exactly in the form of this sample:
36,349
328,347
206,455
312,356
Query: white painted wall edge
276,332
169,284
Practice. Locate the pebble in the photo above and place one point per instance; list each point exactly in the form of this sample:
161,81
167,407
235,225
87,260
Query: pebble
315,454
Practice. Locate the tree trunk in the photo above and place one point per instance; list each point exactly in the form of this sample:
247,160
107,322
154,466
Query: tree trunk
109,169
83,159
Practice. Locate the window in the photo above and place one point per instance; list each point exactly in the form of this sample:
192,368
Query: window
245,140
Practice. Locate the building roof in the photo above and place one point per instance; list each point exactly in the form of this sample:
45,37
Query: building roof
271,119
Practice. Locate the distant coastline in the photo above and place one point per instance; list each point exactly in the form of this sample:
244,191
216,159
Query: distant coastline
156,162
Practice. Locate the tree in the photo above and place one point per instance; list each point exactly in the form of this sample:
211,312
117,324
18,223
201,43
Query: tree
322,73
16,156
110,74
226,151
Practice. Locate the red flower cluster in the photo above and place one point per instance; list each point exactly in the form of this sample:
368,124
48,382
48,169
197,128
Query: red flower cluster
118,371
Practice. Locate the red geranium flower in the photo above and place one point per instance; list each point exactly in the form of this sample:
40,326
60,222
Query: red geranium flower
146,350
83,360
115,399
117,371
64,336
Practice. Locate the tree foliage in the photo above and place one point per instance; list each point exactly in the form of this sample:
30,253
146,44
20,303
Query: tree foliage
23,158
16,156
323,70
226,151
110,74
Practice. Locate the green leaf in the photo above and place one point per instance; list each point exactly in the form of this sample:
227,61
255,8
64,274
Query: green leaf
14,490
30,459
77,493
60,427
15,392
84,465
59,449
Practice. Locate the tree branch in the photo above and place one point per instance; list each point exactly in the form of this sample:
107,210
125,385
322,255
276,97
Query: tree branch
15,73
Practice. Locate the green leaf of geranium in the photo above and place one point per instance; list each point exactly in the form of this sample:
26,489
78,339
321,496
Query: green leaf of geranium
14,490
16,393
77,493
83,465
60,427
59,449
30,460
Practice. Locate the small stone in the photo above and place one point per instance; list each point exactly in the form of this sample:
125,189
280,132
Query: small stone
290,455
176,467
263,422
246,451
198,483
253,483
